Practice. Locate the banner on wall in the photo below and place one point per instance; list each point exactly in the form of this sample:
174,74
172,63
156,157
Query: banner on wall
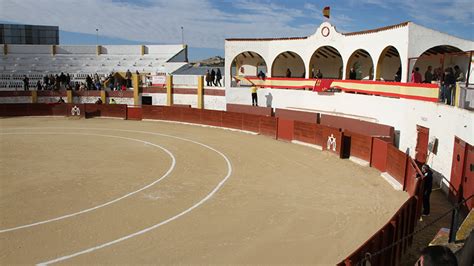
158,80
415,91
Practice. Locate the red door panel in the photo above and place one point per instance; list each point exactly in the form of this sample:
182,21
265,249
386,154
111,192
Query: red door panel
468,178
457,165
421,149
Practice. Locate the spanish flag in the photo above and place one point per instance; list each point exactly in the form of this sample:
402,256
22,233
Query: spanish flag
326,11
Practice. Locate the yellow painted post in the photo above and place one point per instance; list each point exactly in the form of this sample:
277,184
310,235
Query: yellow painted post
53,49
136,89
5,49
143,49
200,92
34,97
69,96
102,96
457,95
98,49
169,90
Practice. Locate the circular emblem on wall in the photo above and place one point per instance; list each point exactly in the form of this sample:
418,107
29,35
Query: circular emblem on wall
325,31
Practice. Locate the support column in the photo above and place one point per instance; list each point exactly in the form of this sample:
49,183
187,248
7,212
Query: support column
200,92
69,96
136,89
142,49
34,96
169,90
103,96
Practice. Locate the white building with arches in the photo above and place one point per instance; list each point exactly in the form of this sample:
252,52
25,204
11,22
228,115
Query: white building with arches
376,54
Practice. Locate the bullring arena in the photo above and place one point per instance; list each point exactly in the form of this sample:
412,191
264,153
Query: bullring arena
156,192
163,169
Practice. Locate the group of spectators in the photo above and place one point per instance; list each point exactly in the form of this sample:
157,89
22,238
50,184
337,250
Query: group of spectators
214,77
92,82
446,79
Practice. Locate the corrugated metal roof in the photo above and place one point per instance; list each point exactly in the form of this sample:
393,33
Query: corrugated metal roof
195,70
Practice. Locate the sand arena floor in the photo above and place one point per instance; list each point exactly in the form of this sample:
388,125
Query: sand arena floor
129,192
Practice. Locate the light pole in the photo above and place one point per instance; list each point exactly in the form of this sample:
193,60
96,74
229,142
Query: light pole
97,35
182,35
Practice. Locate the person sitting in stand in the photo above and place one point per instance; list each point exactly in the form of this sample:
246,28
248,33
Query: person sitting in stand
38,85
112,101
261,75
61,100
99,101
288,73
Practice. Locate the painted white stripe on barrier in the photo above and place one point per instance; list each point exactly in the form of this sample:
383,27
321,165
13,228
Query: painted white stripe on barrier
173,164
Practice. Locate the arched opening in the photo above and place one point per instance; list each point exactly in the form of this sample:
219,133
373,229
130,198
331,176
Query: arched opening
389,66
328,61
361,62
288,61
439,58
247,64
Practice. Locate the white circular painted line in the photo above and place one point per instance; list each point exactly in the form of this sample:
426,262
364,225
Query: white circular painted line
170,169
143,231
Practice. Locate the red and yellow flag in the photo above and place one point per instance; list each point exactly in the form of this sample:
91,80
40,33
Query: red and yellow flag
326,11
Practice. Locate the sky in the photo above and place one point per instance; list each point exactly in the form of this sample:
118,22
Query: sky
207,23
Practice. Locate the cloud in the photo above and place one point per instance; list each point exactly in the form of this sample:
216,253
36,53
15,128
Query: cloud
208,22
159,21
430,12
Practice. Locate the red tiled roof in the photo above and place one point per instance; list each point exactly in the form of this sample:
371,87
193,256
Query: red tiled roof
403,24
267,39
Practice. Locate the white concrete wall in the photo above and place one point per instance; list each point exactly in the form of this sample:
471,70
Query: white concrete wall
423,38
185,99
88,99
121,100
19,99
444,122
215,103
121,49
76,49
50,99
29,49
156,98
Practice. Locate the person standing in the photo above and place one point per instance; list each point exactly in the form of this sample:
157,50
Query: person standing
128,77
254,96
38,85
213,77
449,85
26,83
458,74
398,75
352,74
208,78
218,77
427,188
319,75
415,76
428,75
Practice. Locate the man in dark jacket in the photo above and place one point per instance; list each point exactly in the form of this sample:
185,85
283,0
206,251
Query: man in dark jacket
428,186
